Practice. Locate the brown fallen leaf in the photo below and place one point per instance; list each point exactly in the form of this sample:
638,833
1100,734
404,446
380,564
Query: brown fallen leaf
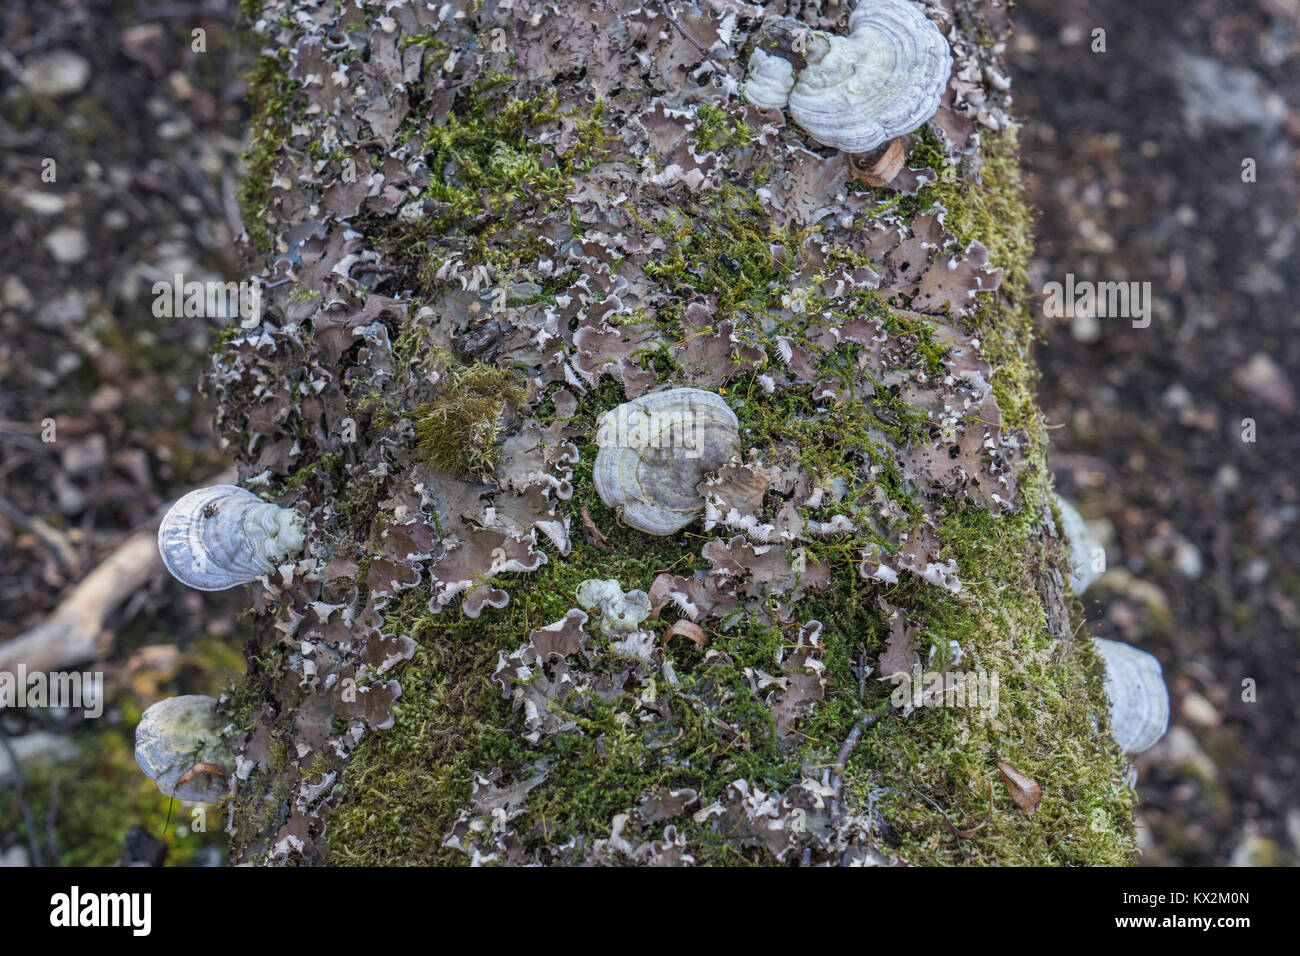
688,629
592,533
878,171
1024,790
900,649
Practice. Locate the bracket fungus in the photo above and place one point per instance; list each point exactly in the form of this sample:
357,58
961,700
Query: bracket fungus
1084,547
654,452
223,536
860,91
1139,700
178,746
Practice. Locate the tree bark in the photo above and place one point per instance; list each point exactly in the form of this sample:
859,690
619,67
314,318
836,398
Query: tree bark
482,227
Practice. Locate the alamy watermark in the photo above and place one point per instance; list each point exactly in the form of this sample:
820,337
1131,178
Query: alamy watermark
632,427
975,689
68,690
1102,300
176,298
74,908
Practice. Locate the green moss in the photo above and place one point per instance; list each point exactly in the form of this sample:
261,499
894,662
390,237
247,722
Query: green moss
716,128
457,430
271,94
492,173
407,786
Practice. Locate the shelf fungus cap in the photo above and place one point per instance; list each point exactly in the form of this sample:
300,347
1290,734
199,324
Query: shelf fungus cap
770,80
1084,547
882,80
1139,701
223,536
654,452
178,746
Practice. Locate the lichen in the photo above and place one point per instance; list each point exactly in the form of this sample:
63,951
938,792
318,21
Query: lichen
499,213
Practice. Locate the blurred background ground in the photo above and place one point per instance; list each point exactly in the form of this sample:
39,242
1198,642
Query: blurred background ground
144,131
1133,157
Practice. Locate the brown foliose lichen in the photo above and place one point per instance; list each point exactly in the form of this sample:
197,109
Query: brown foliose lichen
520,218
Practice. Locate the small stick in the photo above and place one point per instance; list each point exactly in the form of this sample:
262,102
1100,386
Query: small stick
20,786
668,14
865,722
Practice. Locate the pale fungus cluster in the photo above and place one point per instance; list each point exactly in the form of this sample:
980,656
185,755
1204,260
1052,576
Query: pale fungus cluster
860,91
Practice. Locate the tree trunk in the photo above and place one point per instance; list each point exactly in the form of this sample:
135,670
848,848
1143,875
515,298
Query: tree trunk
482,226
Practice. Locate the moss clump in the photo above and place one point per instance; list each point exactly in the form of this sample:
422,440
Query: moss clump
457,429
271,92
716,127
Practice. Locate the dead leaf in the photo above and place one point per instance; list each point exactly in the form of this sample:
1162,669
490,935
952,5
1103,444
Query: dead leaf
900,652
1024,790
687,629
883,169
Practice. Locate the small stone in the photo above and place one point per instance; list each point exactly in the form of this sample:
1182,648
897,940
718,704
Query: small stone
116,220
58,73
1265,381
1085,328
67,245
145,43
1071,34
44,203
16,295
84,457
1187,560
67,311
16,855
1197,710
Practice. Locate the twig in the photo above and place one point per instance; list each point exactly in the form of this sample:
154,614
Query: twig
865,722
969,831
54,540
51,818
668,15
20,786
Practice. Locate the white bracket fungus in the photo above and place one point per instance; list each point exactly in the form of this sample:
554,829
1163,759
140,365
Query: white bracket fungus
654,452
859,91
1083,547
223,536
1139,700
178,746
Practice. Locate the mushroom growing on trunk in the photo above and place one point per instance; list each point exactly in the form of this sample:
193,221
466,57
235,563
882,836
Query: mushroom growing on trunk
223,536
859,92
654,452
178,746
1139,701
